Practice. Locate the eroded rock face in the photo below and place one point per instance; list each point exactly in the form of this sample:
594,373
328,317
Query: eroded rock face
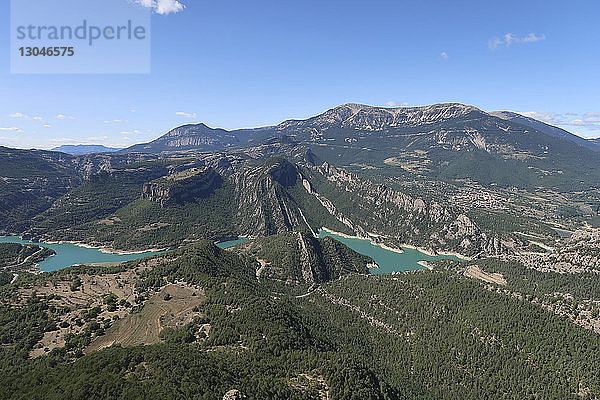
369,118
409,220
264,207
181,187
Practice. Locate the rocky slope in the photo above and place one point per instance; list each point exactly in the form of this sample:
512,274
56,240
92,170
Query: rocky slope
166,202
182,186
367,207
546,128
442,141
578,254
299,257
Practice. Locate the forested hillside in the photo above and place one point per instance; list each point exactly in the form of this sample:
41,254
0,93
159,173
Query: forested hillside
419,335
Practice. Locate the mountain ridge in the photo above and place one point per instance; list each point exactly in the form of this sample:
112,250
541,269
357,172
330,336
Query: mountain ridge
350,116
83,149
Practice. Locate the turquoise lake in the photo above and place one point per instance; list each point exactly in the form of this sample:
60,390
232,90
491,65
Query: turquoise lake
230,243
388,261
68,254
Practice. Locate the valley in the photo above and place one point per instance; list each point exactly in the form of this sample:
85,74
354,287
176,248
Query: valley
431,252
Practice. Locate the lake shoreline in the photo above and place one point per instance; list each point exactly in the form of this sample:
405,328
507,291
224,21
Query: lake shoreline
106,249
374,243
403,245
69,253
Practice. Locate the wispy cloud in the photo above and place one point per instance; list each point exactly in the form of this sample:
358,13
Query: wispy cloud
163,7
18,115
590,121
508,39
544,116
11,129
444,55
63,140
134,132
186,115
62,116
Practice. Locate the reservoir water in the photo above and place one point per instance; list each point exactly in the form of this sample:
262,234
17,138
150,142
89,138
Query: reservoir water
388,260
230,243
68,254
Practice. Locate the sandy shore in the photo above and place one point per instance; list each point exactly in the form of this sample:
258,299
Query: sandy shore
102,249
383,246
439,253
408,246
102,264
426,265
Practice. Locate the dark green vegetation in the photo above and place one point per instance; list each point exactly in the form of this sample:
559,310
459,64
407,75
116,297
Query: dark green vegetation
32,181
414,335
461,141
16,256
285,315
302,258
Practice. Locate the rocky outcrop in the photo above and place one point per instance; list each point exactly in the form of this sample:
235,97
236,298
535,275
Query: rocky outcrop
234,394
300,257
370,118
284,172
182,187
578,254
403,218
263,205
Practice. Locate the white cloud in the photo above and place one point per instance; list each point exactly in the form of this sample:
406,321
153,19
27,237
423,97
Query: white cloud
444,55
163,7
18,115
589,121
63,140
510,38
132,111
62,116
11,129
46,125
186,115
396,104
545,116
37,118
532,37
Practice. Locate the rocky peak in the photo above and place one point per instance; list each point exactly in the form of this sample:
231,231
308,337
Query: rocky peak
284,172
182,186
372,118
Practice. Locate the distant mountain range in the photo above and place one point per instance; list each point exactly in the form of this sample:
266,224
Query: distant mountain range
593,144
356,123
441,141
82,149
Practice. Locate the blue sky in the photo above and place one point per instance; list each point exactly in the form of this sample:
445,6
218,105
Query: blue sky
244,63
